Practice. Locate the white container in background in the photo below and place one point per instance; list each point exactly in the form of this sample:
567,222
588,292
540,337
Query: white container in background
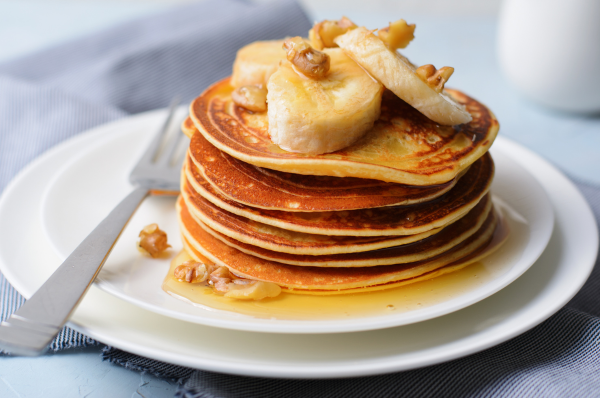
550,50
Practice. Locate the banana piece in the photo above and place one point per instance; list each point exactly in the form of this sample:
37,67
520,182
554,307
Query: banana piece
316,116
397,73
256,62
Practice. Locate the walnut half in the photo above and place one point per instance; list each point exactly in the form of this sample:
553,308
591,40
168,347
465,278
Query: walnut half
220,278
153,241
191,272
436,79
310,62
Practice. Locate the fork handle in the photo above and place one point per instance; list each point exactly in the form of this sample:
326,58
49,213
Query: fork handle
31,329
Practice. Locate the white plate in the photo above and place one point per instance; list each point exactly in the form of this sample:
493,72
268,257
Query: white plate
27,259
90,185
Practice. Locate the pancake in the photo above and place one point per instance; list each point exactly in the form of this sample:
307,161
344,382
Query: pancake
283,240
427,248
197,241
384,221
404,146
275,190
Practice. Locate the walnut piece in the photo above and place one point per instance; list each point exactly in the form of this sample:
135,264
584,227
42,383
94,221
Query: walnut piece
398,35
322,33
191,272
220,278
308,61
153,241
436,79
251,97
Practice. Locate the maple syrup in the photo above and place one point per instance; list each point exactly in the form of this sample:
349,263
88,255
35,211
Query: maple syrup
292,306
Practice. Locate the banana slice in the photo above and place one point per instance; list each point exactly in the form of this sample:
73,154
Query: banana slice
256,62
316,116
397,73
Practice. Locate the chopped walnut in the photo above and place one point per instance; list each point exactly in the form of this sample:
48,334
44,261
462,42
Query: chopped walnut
251,97
220,278
191,272
153,241
434,78
310,62
322,33
398,35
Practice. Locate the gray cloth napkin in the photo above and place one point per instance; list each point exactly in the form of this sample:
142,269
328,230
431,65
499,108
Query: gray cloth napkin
51,96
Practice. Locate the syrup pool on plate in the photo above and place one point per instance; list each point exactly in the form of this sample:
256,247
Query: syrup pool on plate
489,265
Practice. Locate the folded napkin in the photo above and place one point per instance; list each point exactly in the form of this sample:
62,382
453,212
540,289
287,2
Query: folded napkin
53,95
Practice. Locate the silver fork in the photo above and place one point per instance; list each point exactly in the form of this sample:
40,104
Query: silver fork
30,330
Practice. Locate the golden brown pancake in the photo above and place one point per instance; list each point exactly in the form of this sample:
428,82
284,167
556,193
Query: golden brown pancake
283,240
198,241
275,190
499,237
404,146
436,244
384,221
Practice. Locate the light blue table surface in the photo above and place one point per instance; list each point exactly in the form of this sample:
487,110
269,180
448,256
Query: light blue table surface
467,43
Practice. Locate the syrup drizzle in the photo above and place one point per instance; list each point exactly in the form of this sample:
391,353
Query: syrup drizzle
292,306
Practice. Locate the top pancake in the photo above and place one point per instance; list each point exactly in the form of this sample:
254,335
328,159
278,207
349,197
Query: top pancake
274,190
404,146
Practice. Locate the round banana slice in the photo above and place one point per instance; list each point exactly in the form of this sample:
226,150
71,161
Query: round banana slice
256,62
397,73
316,116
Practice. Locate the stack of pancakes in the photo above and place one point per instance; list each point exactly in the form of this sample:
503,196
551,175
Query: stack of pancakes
407,202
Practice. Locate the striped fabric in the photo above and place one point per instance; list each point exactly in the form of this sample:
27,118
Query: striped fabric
535,364
51,96
10,301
